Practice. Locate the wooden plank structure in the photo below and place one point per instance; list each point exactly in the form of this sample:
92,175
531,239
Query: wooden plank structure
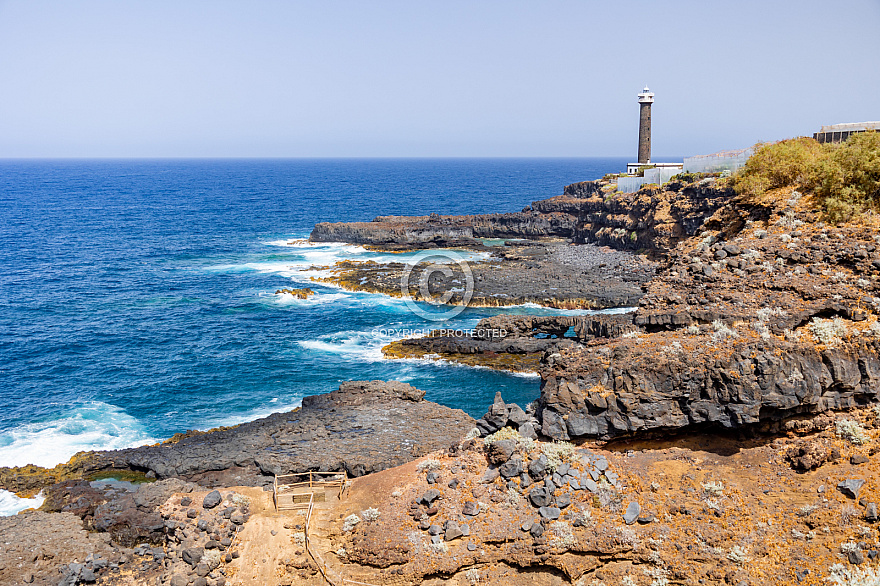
297,491
301,492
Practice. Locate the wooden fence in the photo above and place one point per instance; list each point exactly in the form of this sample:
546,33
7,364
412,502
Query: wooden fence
291,492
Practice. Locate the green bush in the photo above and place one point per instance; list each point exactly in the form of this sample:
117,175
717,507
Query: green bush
845,177
688,177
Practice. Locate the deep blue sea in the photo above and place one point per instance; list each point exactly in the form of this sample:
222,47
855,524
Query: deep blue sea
137,298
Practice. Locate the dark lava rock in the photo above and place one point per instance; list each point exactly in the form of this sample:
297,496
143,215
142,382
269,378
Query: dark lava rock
540,496
527,430
192,556
516,415
551,513
430,496
538,467
851,487
501,451
453,531
498,413
856,557
732,249
804,378
562,501
470,509
489,475
88,576
330,428
212,499
511,468
74,496
857,459
871,513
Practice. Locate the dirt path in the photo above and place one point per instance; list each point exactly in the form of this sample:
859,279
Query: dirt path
264,543
271,549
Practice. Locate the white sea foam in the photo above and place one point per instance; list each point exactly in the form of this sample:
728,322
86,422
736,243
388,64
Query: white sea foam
10,504
358,346
316,299
435,360
88,426
277,406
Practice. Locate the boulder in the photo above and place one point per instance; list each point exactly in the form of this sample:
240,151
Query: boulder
540,496
498,413
851,487
633,509
516,415
538,467
501,451
192,556
212,499
511,468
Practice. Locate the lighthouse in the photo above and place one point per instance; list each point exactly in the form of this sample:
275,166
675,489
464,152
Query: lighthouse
646,98
645,171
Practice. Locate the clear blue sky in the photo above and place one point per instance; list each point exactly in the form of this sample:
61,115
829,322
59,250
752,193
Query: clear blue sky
382,78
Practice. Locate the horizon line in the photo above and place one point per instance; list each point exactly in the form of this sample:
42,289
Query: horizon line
313,158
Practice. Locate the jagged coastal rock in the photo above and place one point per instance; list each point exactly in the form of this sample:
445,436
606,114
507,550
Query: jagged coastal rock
758,312
550,273
326,433
653,220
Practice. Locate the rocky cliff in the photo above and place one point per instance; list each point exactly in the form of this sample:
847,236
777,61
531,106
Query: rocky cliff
758,312
415,232
653,220
765,314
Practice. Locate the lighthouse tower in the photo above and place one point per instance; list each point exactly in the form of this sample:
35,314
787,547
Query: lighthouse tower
646,98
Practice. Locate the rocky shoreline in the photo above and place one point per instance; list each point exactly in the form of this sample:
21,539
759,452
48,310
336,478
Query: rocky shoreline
326,433
724,431
759,312
545,272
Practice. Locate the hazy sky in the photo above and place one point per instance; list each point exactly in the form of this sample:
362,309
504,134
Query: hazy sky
424,78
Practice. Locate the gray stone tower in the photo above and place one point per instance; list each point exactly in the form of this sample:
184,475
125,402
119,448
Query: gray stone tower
646,98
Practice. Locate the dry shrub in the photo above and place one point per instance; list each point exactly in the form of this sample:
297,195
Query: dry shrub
844,178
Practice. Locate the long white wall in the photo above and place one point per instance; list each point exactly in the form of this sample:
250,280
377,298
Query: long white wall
658,175
723,161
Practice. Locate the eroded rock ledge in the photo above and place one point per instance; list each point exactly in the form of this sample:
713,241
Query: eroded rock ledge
758,312
327,433
652,220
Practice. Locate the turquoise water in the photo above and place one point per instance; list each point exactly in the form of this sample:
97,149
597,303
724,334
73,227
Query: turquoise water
137,297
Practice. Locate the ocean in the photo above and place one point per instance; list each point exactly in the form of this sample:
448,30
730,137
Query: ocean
137,298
